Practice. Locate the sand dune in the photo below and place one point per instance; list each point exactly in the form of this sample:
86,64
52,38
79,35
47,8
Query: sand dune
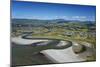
62,55
19,40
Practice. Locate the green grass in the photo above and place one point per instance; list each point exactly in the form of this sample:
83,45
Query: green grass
25,55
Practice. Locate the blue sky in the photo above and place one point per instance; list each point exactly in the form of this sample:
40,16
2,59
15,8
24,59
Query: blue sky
36,10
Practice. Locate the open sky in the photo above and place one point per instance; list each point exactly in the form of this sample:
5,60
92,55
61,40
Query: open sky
36,10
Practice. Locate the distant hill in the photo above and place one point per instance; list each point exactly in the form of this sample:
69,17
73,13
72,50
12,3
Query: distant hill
38,21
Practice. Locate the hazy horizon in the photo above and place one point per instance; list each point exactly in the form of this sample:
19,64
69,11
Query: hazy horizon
48,11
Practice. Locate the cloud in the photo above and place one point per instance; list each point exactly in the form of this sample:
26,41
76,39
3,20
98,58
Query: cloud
79,17
82,18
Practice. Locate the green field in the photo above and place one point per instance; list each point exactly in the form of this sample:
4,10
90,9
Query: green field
68,31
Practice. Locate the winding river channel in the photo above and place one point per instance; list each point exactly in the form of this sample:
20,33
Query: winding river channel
26,51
